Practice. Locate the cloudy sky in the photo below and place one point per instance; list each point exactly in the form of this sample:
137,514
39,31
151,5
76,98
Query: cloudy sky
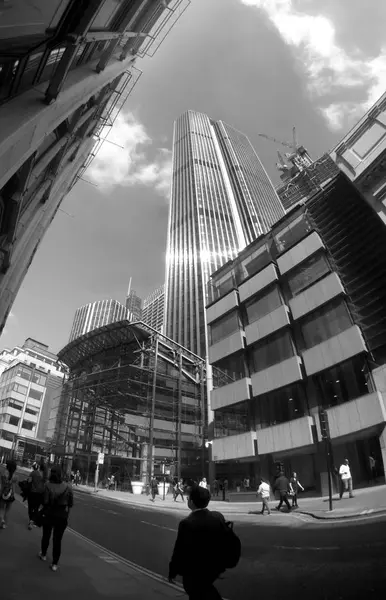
261,66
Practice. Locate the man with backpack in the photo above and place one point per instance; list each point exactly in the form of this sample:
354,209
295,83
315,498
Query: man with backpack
206,546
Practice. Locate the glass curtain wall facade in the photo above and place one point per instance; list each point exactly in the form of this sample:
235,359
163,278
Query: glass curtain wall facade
221,200
96,314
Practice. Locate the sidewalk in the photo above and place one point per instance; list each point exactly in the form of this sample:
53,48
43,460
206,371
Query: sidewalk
366,501
86,570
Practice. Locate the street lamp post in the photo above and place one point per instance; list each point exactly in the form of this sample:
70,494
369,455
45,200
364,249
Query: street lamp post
325,430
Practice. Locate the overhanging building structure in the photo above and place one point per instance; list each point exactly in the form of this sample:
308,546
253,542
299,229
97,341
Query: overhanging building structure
298,322
66,69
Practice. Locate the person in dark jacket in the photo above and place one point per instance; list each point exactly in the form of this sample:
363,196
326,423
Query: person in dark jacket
35,494
196,556
282,486
58,499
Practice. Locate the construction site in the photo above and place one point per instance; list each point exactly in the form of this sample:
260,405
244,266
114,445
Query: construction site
135,396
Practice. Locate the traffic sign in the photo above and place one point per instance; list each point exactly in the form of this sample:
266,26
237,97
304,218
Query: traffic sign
101,458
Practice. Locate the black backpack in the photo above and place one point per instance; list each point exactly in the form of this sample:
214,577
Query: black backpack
231,547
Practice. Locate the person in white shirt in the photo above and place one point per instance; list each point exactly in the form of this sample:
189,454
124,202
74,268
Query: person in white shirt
203,483
345,478
264,491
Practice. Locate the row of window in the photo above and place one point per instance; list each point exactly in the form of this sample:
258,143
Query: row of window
20,389
12,420
342,383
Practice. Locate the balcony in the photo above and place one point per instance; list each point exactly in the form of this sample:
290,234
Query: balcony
361,413
232,393
274,321
286,436
234,447
283,373
257,283
318,294
226,346
334,351
222,306
307,247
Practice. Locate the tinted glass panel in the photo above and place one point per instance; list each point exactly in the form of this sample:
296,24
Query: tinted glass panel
264,305
280,406
224,327
325,323
277,349
344,382
228,370
292,233
310,271
231,420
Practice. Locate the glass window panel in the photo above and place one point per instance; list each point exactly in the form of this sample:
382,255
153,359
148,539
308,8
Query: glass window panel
231,420
280,406
307,273
229,369
292,233
224,327
254,263
325,323
274,350
35,394
345,382
28,425
264,305
21,389
12,420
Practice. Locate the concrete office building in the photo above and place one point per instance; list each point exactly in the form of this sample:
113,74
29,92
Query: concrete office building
221,200
96,314
361,155
298,323
154,309
29,381
66,68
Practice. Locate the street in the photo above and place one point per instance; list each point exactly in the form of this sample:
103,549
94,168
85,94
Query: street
282,555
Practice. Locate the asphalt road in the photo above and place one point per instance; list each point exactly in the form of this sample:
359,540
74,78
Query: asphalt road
283,557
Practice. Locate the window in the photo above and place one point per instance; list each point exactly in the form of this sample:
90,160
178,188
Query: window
15,404
229,369
29,425
344,382
224,327
24,373
264,305
12,420
254,263
21,389
35,394
276,349
39,378
31,410
293,233
325,323
307,273
231,420
280,406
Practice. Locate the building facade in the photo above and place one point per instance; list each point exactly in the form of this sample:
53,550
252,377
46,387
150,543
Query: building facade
96,314
221,199
29,380
134,306
154,309
298,321
361,155
66,68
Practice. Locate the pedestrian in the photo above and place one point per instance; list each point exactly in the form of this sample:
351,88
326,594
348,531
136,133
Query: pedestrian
282,486
373,467
58,500
201,548
35,493
179,490
203,483
246,484
345,478
264,491
72,477
77,478
215,487
8,483
154,488
225,486
295,486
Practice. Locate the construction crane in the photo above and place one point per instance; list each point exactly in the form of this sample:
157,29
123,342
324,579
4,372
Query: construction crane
299,156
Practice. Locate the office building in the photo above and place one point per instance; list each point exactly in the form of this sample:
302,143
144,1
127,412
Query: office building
297,323
221,200
361,155
66,69
154,309
96,314
134,306
30,378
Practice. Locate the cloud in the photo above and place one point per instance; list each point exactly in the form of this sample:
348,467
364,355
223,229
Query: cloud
329,68
124,158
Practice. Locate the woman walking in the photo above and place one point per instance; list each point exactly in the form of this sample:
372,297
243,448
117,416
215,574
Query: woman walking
35,494
8,483
295,486
57,502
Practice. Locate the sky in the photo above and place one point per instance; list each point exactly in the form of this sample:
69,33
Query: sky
262,66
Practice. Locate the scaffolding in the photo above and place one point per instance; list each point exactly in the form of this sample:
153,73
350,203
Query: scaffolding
136,396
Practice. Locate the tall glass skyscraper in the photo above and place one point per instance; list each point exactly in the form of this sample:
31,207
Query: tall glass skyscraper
221,200
96,314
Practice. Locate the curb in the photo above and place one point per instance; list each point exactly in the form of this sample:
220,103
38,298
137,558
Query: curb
356,515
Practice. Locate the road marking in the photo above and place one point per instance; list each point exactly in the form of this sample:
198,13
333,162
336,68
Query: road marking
112,512
159,526
109,559
306,548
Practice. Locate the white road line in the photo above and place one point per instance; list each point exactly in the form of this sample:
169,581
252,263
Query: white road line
307,548
111,512
159,526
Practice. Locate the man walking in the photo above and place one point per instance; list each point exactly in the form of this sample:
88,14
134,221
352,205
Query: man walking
197,554
264,492
35,495
282,486
179,490
345,479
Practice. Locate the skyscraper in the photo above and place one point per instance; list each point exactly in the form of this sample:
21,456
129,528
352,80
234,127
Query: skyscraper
96,314
154,308
134,306
222,199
